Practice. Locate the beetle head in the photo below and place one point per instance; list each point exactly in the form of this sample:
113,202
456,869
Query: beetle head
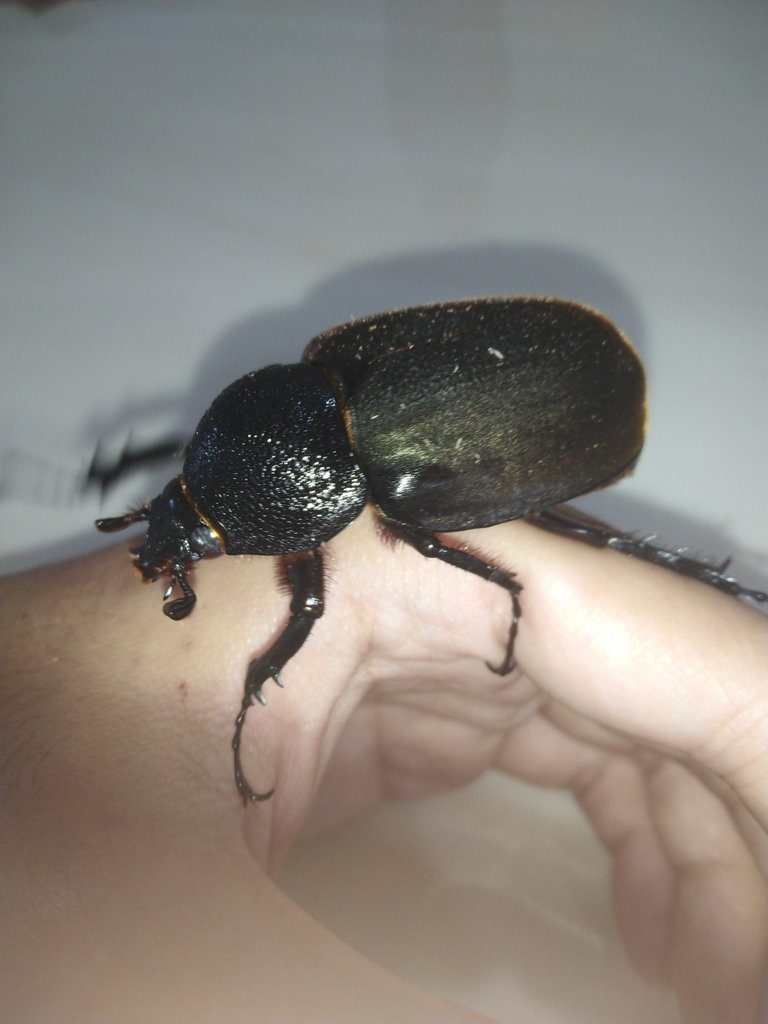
176,535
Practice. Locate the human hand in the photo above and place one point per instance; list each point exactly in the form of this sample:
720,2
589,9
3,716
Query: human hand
641,691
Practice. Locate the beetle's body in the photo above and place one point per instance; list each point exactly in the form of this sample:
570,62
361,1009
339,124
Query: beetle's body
445,417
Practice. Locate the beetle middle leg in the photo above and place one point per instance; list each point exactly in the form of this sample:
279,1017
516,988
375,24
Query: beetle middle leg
431,546
304,576
572,522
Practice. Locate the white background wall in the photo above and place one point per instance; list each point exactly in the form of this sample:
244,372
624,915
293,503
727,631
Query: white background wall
193,189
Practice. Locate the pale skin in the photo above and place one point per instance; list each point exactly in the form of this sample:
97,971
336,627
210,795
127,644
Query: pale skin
137,887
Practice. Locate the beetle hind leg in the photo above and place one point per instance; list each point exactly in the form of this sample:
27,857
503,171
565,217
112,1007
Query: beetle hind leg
431,546
304,575
571,522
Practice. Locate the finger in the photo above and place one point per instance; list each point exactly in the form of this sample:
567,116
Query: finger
689,901
644,651
750,830
611,790
539,751
719,934
544,755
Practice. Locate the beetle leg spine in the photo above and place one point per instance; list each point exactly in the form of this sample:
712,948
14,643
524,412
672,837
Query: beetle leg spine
573,523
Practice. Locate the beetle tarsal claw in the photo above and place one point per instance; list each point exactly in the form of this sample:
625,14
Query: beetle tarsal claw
256,798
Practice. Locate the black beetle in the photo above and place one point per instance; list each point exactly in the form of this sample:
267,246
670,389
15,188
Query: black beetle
444,417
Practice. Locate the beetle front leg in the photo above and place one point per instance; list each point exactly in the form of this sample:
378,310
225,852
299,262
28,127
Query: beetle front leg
115,523
304,575
431,546
182,606
572,522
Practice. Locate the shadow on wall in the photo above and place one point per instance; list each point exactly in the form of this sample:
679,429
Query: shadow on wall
280,335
